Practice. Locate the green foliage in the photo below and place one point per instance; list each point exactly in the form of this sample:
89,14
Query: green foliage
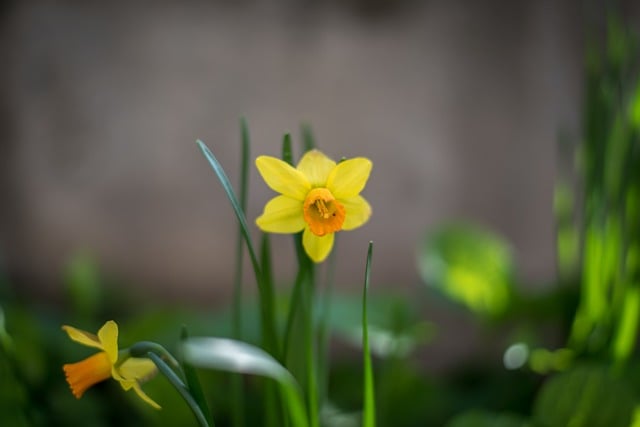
470,265
488,419
267,361
236,356
586,396
608,313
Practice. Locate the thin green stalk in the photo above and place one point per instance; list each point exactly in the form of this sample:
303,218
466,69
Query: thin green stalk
369,410
308,141
324,329
301,307
294,303
193,383
180,387
237,282
270,405
274,417
287,151
310,349
236,380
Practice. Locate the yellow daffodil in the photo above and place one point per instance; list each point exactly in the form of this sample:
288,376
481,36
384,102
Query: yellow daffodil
129,372
317,196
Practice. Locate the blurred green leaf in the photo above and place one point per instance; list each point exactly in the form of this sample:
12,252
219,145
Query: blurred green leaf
239,357
395,326
635,108
469,265
84,285
626,334
544,361
563,201
488,419
586,396
636,418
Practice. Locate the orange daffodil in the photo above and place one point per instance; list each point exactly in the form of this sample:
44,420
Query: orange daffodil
317,196
129,372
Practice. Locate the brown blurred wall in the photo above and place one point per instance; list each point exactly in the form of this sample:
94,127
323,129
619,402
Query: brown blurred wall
458,103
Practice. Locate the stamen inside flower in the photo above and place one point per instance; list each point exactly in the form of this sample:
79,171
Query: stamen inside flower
323,212
86,373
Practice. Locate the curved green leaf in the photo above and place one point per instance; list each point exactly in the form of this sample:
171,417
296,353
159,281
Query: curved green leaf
239,357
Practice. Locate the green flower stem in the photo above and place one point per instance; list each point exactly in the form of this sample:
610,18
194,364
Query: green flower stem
310,348
369,410
324,329
180,387
291,315
236,380
302,303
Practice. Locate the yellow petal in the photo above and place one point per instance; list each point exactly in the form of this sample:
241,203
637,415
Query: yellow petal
134,371
357,210
108,336
136,368
318,248
316,167
282,214
282,177
131,384
142,395
349,177
83,337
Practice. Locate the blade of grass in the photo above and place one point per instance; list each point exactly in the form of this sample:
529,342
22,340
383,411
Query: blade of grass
625,336
267,270
308,141
244,179
236,380
273,418
369,409
309,337
193,383
287,151
267,311
294,305
235,204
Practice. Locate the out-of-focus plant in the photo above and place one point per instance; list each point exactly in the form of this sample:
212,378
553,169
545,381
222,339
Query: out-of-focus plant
608,164
469,265
598,250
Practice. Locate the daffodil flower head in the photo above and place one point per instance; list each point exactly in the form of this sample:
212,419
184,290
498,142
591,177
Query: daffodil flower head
130,372
319,197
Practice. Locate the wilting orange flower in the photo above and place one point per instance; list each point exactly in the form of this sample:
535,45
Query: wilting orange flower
129,372
317,196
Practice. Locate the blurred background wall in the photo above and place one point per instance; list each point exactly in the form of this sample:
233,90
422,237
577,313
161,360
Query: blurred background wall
458,103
